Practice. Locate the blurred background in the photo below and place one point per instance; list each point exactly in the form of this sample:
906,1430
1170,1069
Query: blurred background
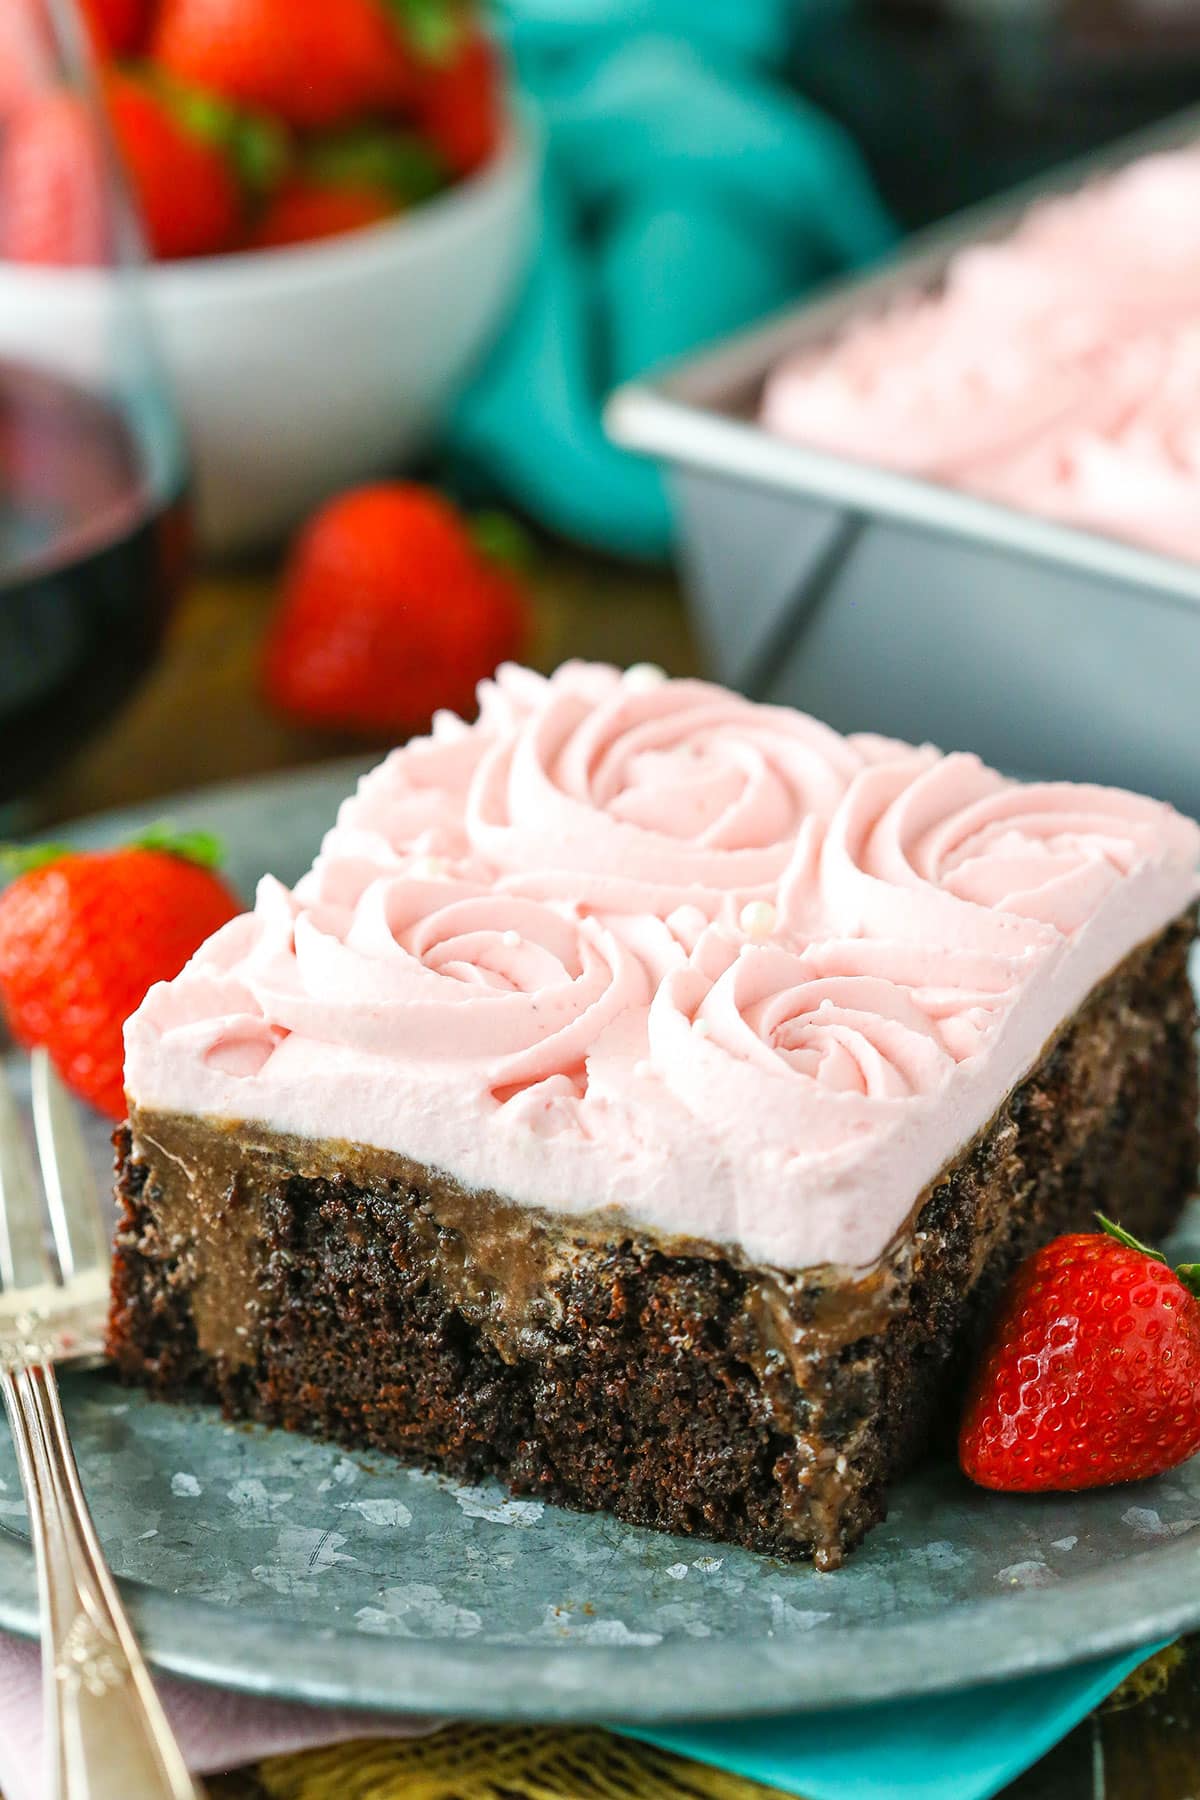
250,264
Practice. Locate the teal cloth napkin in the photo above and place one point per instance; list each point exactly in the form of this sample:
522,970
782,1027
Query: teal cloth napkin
964,1746
686,191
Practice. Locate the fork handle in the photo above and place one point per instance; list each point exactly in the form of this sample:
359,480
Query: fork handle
108,1734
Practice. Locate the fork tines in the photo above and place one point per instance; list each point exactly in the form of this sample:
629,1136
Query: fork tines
80,1247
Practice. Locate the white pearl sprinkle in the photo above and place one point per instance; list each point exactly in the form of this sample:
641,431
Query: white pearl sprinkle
429,868
510,939
642,678
826,1005
758,920
701,1028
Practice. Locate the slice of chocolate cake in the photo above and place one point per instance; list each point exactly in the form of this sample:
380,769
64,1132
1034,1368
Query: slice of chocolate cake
645,1094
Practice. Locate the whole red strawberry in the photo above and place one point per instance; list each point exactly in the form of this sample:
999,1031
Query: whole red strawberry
119,27
305,210
1092,1373
181,171
390,609
83,935
312,63
53,199
459,104
346,181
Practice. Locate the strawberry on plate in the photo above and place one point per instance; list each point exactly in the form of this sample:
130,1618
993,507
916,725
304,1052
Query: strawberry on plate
391,608
83,935
312,63
1092,1372
459,104
53,200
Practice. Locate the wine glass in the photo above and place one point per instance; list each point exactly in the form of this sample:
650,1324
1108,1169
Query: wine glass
93,534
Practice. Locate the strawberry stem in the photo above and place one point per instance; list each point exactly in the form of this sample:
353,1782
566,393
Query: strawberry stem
1130,1242
500,539
1189,1274
434,29
19,859
254,144
201,847
406,170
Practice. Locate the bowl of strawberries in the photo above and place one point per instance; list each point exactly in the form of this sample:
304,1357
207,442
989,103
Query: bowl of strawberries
335,203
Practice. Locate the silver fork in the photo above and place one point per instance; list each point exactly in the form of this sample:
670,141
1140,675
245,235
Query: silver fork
105,1728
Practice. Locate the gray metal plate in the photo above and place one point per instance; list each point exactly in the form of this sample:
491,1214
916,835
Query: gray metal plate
283,1566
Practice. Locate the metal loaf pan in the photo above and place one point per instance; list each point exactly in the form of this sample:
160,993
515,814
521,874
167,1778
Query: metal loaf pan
886,603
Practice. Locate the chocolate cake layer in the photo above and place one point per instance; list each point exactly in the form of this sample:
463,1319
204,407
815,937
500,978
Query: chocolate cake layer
340,1291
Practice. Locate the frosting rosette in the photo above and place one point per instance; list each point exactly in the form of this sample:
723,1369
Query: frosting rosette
964,994
637,794
510,991
955,856
833,1038
820,1039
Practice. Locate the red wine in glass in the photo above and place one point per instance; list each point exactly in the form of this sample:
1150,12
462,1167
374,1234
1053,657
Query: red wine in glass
92,518
91,554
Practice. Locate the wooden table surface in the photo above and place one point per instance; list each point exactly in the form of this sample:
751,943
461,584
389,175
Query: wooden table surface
199,719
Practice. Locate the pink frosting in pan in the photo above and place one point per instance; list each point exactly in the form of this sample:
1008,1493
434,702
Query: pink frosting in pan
1057,371
636,943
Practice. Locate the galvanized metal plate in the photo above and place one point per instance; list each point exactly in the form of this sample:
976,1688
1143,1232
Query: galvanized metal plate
283,1566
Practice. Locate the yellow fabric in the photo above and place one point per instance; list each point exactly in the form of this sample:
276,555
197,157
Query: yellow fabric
496,1762
1149,1679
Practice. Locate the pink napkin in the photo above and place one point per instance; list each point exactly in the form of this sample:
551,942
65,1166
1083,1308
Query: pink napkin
217,1729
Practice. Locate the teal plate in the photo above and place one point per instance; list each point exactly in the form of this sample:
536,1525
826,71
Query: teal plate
278,1565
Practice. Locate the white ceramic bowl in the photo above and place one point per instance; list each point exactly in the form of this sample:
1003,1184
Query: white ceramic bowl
298,371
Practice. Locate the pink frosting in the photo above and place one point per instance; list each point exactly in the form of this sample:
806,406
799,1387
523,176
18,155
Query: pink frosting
1057,371
641,944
